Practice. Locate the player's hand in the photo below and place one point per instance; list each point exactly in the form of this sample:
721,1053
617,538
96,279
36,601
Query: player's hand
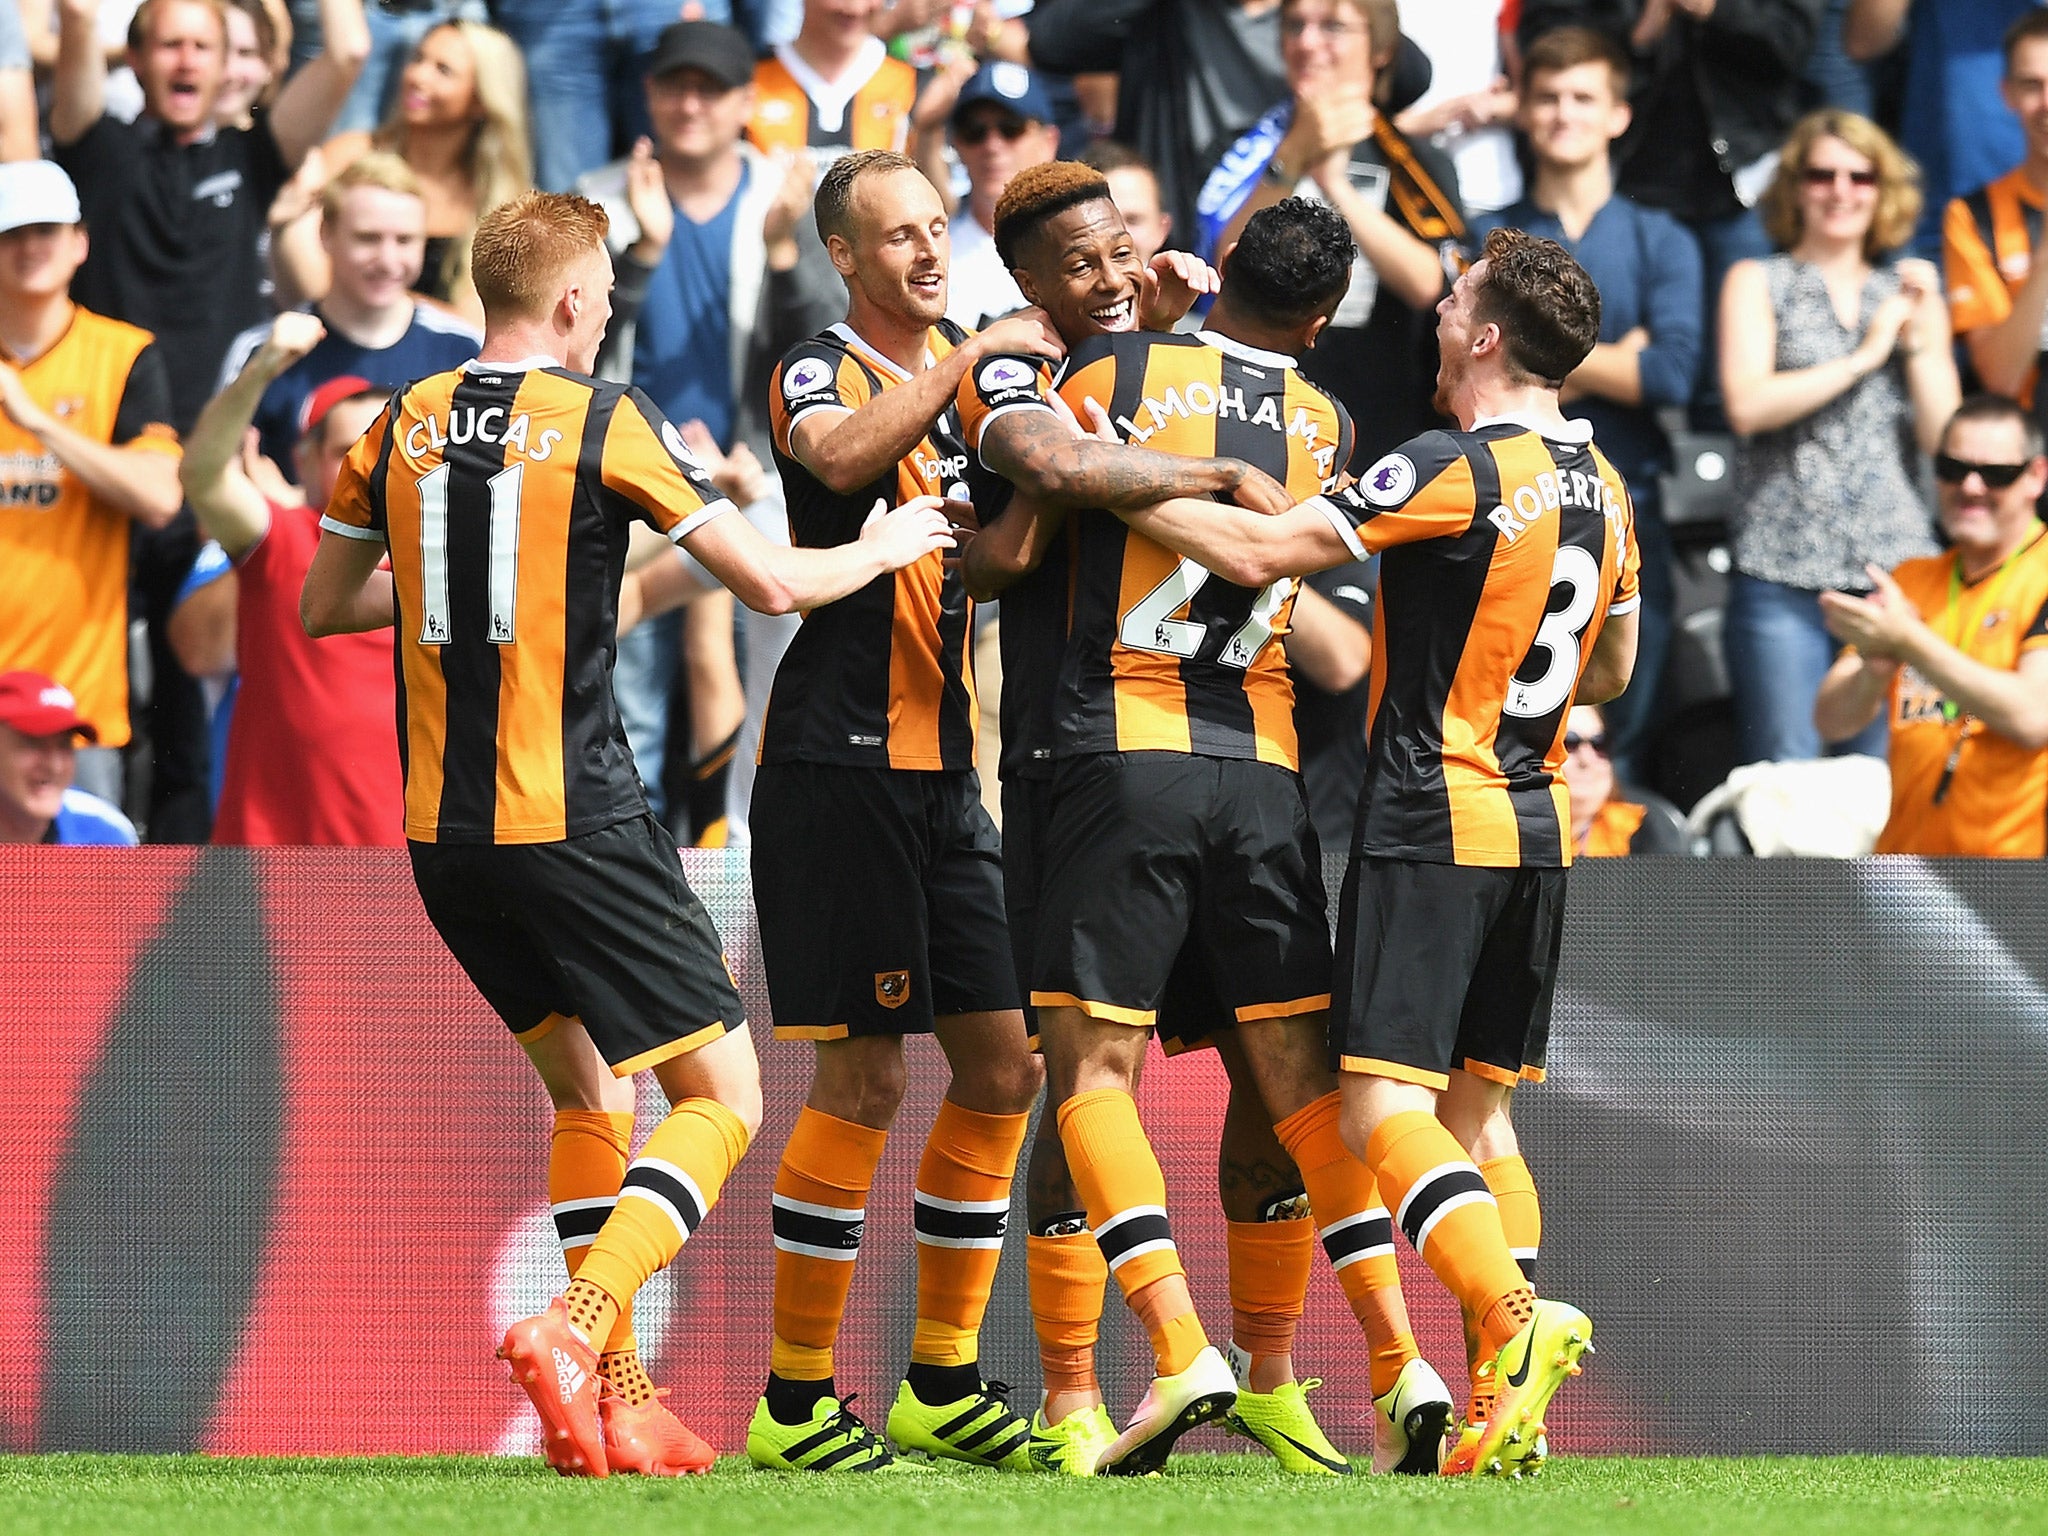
292,335
1169,287
18,405
905,535
1260,492
647,196
1028,333
1099,425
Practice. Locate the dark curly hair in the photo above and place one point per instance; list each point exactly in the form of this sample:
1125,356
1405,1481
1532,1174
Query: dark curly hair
1292,263
1546,306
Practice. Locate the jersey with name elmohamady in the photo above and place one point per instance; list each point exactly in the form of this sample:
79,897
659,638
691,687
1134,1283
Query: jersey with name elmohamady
1958,788
868,107
1503,551
505,493
1164,656
884,677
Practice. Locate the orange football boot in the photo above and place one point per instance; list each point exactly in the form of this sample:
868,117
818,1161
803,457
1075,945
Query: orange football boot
650,1440
559,1372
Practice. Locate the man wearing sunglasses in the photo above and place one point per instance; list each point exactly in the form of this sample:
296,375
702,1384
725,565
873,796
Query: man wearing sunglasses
1002,123
1954,649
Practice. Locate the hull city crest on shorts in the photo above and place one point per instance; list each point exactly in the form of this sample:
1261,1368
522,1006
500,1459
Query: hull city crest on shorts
892,988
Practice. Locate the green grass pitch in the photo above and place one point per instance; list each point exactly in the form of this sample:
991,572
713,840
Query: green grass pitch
1854,1496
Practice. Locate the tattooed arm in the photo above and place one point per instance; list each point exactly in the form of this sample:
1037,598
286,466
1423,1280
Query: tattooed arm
1047,461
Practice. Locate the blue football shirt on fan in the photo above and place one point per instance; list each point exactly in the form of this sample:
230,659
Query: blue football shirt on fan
435,342
87,821
682,345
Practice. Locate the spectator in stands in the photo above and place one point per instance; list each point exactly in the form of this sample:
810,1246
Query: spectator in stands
1718,86
1997,291
1608,821
39,730
1134,187
1332,140
834,87
396,29
1837,370
187,268
259,42
719,273
40,18
1953,649
1468,111
1194,73
585,60
313,749
1001,123
1575,85
1952,123
372,233
459,122
86,454
18,127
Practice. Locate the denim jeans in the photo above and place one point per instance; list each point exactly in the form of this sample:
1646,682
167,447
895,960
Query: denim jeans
583,76
643,681
1778,651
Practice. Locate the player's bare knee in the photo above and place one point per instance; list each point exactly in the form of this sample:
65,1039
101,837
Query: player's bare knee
860,1080
1475,1110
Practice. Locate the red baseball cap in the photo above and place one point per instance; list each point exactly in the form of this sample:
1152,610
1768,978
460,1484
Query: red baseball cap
36,705
328,396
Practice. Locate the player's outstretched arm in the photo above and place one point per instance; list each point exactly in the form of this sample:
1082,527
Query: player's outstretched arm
1612,662
1010,548
1245,547
774,578
851,449
1044,458
345,593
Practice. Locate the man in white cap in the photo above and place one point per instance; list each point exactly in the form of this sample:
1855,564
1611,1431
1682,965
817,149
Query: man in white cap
86,453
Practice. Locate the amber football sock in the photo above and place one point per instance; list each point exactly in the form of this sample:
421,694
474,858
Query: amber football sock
1442,1203
1117,1173
819,1213
586,1163
1358,1235
705,801
666,1194
1269,1264
1521,1215
1066,1275
961,1211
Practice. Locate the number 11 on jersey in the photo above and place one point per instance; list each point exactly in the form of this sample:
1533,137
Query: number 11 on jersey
505,488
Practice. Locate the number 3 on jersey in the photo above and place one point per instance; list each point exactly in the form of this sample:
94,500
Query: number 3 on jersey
1150,625
505,487
1558,637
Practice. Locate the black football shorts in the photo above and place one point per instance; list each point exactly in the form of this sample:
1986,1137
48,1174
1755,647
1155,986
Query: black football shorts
1442,966
1151,851
1189,1014
880,898
601,928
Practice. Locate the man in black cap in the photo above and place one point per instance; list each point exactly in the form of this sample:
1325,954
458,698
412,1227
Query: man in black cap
719,273
1002,121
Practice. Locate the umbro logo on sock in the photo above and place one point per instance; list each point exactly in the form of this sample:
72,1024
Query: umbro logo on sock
568,1375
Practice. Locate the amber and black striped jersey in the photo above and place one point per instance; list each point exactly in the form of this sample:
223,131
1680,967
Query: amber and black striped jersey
1032,634
1162,655
883,678
867,108
503,492
1502,554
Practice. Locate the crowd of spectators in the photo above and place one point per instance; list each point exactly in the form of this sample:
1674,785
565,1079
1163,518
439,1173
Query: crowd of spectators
228,228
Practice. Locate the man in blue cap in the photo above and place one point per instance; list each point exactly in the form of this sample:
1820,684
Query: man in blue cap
1002,123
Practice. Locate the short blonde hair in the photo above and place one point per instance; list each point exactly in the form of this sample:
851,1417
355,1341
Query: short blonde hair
379,168
523,247
1898,181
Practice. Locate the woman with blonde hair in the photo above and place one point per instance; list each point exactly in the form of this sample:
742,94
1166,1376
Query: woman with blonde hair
459,121
1838,372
